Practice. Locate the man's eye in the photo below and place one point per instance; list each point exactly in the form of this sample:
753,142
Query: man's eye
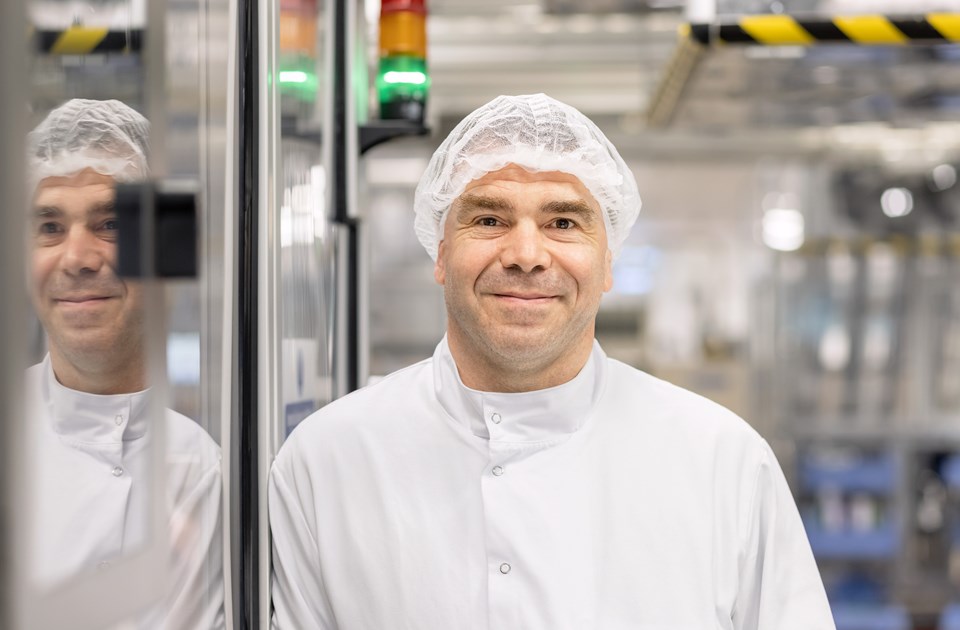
564,224
111,224
49,228
488,222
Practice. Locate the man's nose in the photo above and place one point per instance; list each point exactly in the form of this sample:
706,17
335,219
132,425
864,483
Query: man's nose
525,248
83,252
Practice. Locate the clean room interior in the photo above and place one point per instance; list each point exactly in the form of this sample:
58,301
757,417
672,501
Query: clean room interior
796,257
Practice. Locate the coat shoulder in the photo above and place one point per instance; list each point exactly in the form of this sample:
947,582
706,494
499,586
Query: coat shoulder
676,409
371,408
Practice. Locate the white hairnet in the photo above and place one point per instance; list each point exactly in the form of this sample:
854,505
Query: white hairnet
537,133
108,137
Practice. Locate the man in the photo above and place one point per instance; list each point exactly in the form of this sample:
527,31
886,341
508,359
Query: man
519,479
90,422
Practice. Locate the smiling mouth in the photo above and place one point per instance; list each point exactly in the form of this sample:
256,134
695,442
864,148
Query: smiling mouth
83,301
532,299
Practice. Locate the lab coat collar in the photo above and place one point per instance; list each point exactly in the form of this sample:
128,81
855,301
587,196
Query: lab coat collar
92,418
537,416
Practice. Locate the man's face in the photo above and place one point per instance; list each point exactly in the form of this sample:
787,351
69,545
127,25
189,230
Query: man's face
89,313
523,262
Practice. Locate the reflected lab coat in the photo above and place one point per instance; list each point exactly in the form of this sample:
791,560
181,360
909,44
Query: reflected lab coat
90,456
613,501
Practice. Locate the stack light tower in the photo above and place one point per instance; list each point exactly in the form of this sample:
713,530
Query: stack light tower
297,76
402,80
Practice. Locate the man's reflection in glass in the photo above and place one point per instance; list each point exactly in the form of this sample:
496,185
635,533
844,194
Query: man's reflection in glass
87,398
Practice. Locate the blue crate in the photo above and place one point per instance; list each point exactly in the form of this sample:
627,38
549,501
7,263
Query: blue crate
860,617
881,544
856,588
950,618
877,473
951,471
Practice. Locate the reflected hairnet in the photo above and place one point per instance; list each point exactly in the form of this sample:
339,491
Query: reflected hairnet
540,134
106,136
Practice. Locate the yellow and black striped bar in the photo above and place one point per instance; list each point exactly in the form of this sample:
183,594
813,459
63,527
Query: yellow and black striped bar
864,30
87,40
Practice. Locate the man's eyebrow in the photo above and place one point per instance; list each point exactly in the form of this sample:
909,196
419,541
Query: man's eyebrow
471,203
54,212
47,212
579,208
106,207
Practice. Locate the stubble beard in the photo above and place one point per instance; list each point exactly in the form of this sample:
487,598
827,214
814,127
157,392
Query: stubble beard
97,344
102,350
518,348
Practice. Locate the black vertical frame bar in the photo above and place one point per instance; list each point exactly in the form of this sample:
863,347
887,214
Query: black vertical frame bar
353,306
340,194
245,443
338,136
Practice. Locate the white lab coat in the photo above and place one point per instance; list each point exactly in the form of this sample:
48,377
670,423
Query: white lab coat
614,501
89,456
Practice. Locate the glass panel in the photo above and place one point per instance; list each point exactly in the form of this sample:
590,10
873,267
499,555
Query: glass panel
298,250
123,511
307,284
307,243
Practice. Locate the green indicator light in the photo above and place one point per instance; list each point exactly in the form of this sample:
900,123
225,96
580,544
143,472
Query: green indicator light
297,78
414,78
402,88
293,76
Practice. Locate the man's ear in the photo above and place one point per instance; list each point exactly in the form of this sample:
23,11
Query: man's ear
439,271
